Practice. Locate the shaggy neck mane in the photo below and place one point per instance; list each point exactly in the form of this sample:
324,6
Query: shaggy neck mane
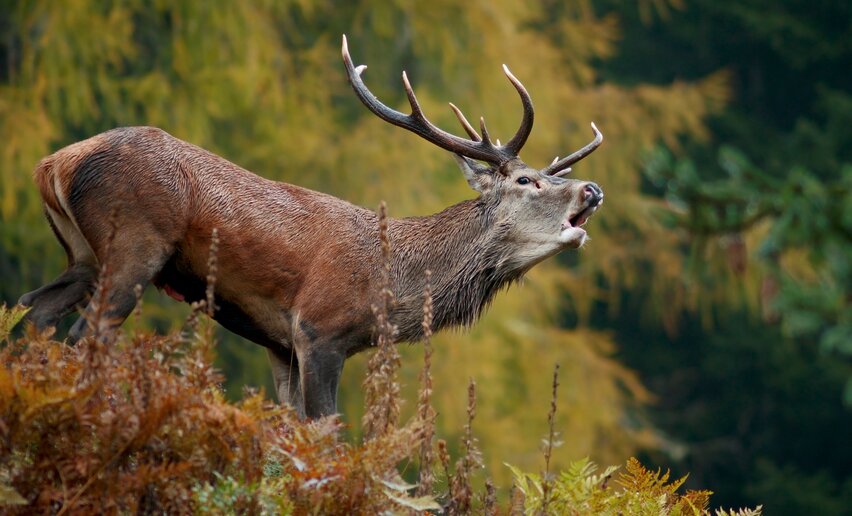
465,250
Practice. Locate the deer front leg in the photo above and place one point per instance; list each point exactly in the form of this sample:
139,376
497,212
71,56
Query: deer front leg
320,367
285,375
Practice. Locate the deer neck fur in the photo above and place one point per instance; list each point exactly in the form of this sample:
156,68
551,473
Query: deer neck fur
466,250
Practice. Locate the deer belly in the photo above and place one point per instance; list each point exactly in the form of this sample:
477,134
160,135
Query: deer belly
185,287
178,284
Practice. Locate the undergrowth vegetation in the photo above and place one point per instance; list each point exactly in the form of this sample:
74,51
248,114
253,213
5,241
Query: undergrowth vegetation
135,422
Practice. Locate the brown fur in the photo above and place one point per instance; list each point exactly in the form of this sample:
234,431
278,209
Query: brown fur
61,166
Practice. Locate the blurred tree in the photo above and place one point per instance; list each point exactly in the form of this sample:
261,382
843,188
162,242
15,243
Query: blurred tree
751,383
793,373
805,226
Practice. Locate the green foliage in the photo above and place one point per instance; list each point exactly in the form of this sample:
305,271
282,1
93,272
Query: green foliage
576,489
227,495
803,227
580,490
9,318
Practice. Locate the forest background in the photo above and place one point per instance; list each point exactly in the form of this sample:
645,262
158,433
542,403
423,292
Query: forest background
705,327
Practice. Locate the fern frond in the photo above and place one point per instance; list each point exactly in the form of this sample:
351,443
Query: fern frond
9,318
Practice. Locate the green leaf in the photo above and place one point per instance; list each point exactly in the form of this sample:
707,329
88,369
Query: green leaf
9,317
522,480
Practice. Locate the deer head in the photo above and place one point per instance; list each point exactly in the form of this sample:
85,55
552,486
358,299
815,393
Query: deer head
540,212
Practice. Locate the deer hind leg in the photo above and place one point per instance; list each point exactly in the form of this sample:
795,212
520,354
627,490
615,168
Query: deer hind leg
75,273
136,254
50,303
119,299
285,374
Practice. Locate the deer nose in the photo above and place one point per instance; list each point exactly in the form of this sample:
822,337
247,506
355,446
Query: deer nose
593,194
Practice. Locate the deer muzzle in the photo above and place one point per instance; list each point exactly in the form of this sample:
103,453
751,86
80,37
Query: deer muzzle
592,197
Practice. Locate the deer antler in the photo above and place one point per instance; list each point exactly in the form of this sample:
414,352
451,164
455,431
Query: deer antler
563,166
478,147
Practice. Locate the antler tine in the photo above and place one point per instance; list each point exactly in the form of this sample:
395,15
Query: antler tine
517,142
484,131
416,110
417,122
465,124
562,167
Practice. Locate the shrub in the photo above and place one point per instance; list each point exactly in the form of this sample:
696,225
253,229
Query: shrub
136,423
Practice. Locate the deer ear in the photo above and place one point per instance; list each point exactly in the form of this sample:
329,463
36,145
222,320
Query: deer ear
479,177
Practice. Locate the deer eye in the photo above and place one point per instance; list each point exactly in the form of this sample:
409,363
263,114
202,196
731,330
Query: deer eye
523,180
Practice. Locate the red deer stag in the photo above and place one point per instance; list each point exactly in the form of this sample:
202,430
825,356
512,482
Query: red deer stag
298,270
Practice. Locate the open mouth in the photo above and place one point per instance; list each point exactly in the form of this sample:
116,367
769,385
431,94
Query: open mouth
577,220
